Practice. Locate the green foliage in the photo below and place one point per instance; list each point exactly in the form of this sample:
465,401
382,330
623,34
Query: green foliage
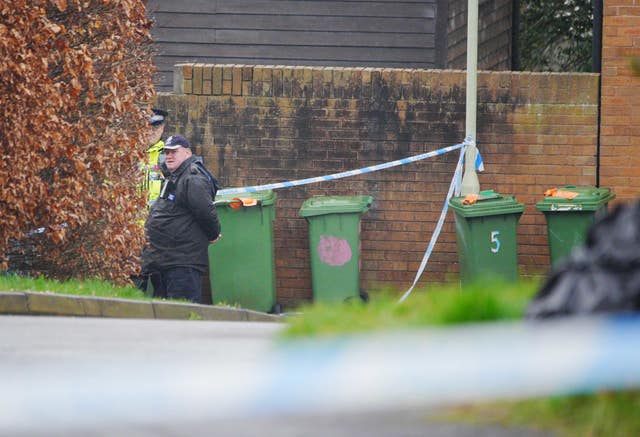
194,316
556,35
91,287
601,414
443,305
635,66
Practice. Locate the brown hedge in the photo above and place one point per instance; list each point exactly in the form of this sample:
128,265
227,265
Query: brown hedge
75,85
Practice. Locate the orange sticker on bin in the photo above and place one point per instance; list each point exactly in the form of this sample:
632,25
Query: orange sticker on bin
470,199
563,194
238,202
248,201
235,203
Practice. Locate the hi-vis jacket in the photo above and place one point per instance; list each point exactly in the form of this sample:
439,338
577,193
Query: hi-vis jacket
153,174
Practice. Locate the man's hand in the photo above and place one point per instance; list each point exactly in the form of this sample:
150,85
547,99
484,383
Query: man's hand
217,238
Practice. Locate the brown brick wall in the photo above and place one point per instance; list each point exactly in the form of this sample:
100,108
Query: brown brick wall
620,107
269,124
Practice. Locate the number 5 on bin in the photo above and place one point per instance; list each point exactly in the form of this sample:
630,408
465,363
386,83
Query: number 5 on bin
496,241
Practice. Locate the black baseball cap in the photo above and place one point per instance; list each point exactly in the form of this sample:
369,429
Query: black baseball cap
157,116
175,141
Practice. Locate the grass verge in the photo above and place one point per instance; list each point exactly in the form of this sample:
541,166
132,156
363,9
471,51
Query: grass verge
73,287
92,287
442,305
600,414
608,414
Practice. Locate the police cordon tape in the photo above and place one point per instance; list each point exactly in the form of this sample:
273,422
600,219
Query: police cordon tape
343,174
331,177
353,374
453,187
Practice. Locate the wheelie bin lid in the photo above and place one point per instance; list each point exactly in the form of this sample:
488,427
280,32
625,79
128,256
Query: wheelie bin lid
267,197
574,198
321,205
488,203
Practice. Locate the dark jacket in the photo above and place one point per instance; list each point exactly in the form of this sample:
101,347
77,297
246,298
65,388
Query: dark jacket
183,220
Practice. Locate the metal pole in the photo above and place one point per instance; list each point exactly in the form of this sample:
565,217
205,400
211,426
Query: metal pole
596,67
470,183
596,45
515,36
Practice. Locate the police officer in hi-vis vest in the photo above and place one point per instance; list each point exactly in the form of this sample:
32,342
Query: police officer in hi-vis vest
153,174
155,157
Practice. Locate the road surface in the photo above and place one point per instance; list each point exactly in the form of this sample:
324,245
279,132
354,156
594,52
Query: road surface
91,376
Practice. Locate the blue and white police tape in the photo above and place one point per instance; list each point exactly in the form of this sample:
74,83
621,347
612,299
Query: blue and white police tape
344,174
354,374
453,187
42,230
479,162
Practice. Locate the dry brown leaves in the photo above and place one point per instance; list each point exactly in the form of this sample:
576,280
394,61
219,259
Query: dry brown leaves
75,82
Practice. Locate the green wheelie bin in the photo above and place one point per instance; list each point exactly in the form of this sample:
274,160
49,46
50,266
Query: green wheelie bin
486,234
334,243
570,211
241,263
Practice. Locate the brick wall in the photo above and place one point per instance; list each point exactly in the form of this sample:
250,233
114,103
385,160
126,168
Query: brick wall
259,124
620,107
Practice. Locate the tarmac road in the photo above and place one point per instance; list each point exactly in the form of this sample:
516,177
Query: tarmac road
94,376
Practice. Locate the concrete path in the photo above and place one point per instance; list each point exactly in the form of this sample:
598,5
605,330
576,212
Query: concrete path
30,303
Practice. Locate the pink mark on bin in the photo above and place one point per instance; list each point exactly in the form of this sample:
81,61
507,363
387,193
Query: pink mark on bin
334,251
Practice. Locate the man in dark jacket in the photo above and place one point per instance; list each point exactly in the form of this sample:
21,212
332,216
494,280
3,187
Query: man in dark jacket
181,224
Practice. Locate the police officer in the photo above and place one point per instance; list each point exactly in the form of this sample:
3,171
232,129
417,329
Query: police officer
181,224
153,166
153,174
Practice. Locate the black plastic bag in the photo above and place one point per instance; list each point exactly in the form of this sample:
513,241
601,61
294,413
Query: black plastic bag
602,276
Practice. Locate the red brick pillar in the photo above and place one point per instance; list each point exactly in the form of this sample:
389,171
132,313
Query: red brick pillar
620,100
